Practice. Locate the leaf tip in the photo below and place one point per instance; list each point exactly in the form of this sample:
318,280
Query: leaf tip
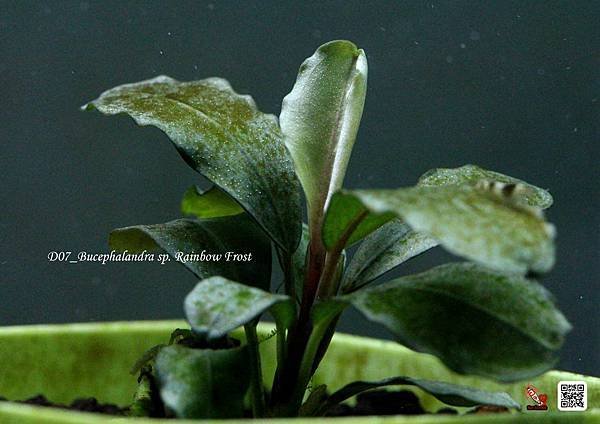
87,107
340,46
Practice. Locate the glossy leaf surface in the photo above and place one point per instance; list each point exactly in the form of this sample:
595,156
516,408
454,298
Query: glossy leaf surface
226,138
476,320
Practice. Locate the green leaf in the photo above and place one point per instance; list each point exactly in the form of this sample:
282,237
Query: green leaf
217,306
211,203
203,383
472,175
468,221
215,236
320,119
348,220
386,248
222,135
474,319
450,394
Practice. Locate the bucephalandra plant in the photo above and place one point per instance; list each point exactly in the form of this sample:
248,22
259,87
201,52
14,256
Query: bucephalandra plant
483,317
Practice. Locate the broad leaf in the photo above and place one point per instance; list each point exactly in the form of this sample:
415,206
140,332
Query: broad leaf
472,175
320,119
218,236
468,221
450,394
211,203
386,248
474,319
203,383
226,138
217,306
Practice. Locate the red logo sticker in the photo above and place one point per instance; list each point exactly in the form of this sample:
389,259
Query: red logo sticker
540,400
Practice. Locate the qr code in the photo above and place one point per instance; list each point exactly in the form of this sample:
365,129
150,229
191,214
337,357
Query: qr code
572,396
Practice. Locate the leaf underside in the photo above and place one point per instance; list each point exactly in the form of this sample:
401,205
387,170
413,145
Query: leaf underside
212,203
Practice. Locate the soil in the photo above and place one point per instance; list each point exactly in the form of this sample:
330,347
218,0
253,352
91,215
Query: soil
376,402
382,402
83,404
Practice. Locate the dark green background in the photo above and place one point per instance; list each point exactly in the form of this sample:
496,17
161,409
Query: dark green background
511,86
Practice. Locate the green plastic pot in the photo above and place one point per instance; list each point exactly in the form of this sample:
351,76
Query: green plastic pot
64,362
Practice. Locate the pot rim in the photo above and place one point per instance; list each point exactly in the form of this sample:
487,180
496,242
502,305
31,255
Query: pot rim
382,352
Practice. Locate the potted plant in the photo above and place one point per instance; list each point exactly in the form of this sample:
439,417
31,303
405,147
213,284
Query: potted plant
486,329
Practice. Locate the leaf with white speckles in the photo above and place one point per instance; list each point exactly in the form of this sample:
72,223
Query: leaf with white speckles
472,174
226,138
464,219
217,306
476,320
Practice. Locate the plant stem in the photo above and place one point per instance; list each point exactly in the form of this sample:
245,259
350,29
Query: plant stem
307,365
328,286
314,270
303,340
257,391
284,384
